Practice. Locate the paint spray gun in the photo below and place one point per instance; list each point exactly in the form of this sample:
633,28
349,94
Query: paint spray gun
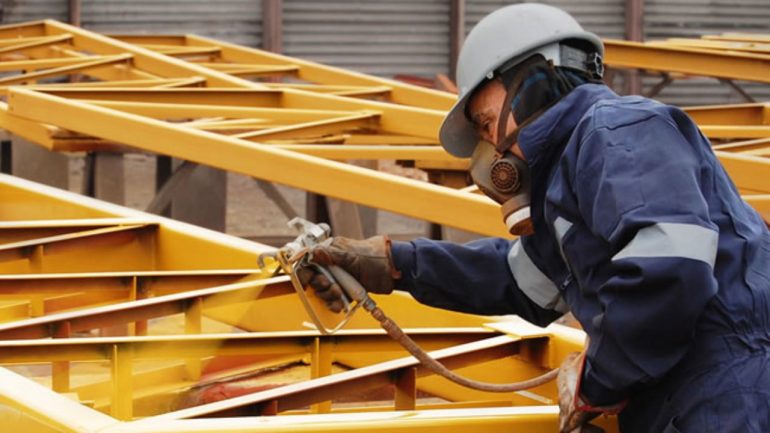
298,254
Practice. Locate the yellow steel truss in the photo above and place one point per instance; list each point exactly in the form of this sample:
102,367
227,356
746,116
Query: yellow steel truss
74,268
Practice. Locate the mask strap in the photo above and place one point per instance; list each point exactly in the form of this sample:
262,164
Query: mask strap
504,143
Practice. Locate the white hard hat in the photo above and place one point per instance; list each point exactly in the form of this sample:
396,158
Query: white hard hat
506,37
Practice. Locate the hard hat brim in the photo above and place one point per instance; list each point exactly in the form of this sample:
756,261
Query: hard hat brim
457,134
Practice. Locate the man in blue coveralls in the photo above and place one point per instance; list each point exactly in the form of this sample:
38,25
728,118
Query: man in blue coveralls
625,218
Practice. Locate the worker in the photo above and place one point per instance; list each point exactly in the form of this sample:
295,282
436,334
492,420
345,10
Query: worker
624,217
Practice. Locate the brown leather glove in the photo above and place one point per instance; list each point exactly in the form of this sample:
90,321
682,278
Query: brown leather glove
574,412
368,261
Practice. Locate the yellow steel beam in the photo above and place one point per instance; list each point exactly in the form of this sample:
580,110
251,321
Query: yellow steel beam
36,43
96,317
144,59
735,115
730,131
759,147
123,84
358,121
411,121
85,65
40,409
160,110
760,202
730,46
397,194
195,96
343,152
167,40
18,40
184,51
401,93
36,64
34,131
692,61
30,29
750,173
260,343
340,90
477,420
323,388
739,37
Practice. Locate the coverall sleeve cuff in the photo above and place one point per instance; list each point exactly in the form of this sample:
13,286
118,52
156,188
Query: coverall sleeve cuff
402,254
596,394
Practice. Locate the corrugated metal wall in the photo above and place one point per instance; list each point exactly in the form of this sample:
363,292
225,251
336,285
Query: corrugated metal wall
692,18
371,36
16,11
606,18
237,21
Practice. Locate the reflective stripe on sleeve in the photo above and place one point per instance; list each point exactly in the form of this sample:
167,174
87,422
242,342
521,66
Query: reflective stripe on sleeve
687,241
561,226
533,282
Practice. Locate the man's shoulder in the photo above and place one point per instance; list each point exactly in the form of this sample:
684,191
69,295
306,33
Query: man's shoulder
624,114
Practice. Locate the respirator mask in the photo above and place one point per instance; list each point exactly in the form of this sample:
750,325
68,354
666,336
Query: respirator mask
505,179
532,86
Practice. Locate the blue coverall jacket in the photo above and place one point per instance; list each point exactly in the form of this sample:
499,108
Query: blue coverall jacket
641,234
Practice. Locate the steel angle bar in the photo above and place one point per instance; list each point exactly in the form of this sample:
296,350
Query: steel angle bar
750,173
691,61
394,193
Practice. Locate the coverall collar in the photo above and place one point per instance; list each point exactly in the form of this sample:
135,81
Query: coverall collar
549,133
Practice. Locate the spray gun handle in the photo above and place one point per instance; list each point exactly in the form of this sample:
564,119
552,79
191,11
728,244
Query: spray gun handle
350,286
335,274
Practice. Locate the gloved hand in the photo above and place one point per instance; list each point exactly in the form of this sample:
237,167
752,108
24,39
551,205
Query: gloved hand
368,261
574,412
